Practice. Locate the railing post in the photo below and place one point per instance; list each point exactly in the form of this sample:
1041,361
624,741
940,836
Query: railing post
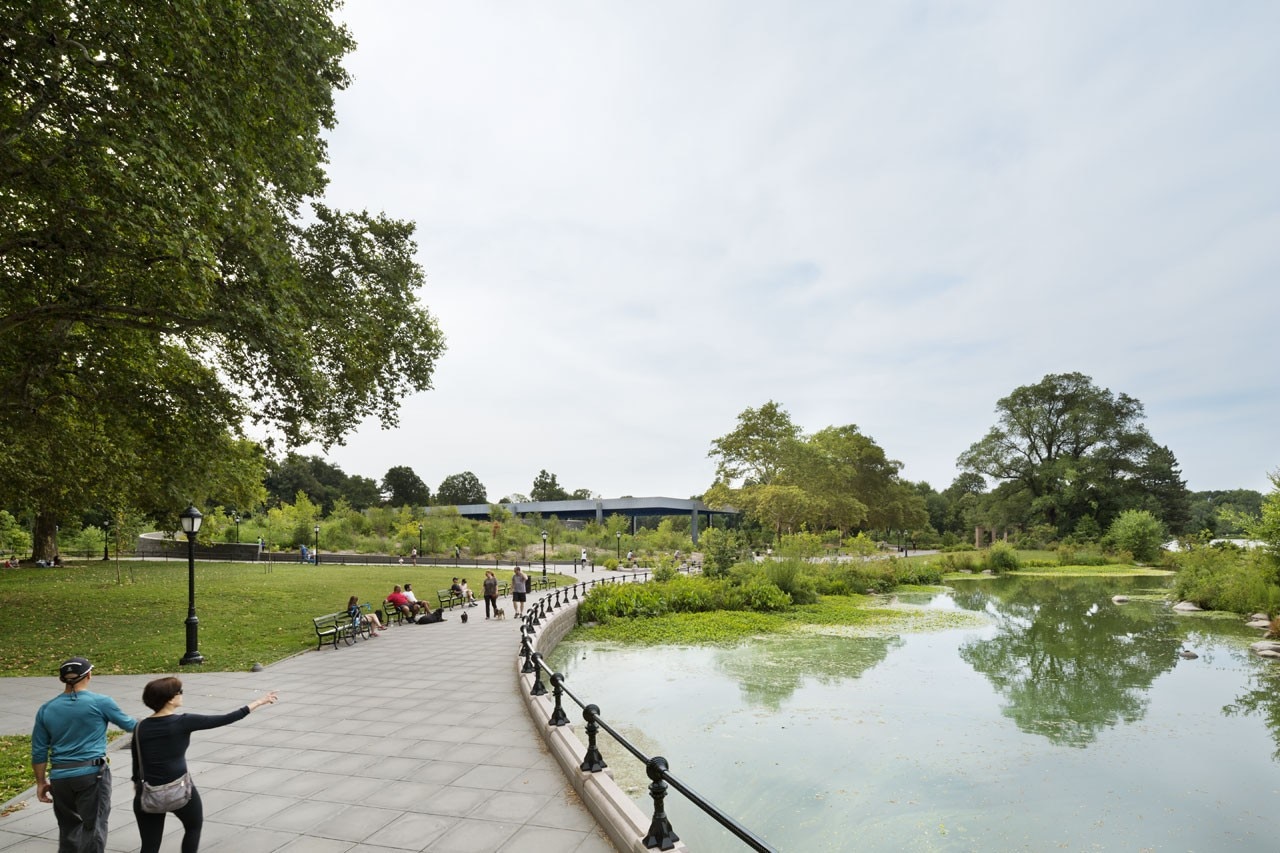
593,761
575,592
536,621
527,651
558,716
660,834
539,689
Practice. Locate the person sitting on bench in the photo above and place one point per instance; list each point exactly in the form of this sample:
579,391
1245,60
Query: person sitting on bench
401,602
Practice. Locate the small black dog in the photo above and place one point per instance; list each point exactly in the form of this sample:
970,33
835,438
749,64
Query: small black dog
464,617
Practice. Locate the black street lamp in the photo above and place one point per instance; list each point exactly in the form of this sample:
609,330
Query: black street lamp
315,552
106,538
619,535
191,519
236,519
544,555
415,562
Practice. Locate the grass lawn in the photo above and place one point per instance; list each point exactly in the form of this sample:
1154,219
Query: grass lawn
137,624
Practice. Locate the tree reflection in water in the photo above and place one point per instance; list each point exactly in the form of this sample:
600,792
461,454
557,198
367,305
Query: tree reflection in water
1262,699
769,669
1068,661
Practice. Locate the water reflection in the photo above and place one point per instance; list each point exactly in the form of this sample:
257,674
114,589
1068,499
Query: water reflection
1068,661
770,670
1262,699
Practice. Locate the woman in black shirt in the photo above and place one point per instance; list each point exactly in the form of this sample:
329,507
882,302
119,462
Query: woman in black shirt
163,739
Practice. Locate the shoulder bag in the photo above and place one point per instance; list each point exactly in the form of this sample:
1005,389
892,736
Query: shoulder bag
169,797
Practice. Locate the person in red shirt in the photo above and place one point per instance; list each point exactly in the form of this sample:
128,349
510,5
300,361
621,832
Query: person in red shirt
401,602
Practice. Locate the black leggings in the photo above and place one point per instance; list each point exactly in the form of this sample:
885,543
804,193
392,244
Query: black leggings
151,826
490,601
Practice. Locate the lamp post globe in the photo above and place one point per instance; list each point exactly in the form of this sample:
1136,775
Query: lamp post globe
191,518
544,555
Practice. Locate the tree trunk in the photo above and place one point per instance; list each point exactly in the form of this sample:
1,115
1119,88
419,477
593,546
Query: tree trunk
44,539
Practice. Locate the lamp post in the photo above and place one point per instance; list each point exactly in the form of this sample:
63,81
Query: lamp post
191,519
544,555
106,534
316,550
415,562
236,519
619,535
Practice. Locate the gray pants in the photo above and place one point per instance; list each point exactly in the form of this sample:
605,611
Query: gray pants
82,805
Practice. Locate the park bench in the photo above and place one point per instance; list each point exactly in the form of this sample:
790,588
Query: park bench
392,614
448,598
333,627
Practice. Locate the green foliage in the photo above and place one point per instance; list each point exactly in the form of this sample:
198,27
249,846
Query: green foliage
546,488
404,487
758,596
1001,557
1069,556
861,545
790,576
801,545
169,273
1216,579
721,549
461,490
1139,532
14,539
1065,449
665,571
835,479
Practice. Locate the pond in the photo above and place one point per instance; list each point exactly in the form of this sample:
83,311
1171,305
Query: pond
1056,720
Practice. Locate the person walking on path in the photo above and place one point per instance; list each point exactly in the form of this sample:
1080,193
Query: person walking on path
69,738
519,586
160,755
490,593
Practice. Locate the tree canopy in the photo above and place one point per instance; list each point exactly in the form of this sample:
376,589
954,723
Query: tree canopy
404,487
461,489
547,488
836,478
1064,450
166,271
322,482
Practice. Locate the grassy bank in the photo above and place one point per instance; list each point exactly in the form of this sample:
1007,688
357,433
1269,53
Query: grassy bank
137,625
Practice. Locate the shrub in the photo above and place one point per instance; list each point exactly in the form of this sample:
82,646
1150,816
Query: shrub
759,596
1223,580
961,560
1001,557
664,572
923,574
721,549
1138,531
611,563
791,577
1069,556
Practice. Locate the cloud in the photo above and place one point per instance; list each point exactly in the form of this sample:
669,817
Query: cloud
639,219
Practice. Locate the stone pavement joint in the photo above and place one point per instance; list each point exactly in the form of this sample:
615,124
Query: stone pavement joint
415,740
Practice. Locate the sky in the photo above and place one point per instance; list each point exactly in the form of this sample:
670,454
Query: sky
638,220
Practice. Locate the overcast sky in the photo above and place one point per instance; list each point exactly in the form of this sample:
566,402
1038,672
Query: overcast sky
638,219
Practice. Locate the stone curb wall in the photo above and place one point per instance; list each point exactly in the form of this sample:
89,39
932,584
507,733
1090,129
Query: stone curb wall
619,816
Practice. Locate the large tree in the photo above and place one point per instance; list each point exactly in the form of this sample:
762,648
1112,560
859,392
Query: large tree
461,489
1065,449
321,481
404,487
165,270
834,479
547,488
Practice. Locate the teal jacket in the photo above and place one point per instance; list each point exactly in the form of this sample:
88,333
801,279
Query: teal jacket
71,728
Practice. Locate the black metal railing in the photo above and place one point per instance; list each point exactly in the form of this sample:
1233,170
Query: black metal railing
660,834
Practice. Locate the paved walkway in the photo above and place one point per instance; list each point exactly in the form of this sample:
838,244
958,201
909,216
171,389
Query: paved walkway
414,740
